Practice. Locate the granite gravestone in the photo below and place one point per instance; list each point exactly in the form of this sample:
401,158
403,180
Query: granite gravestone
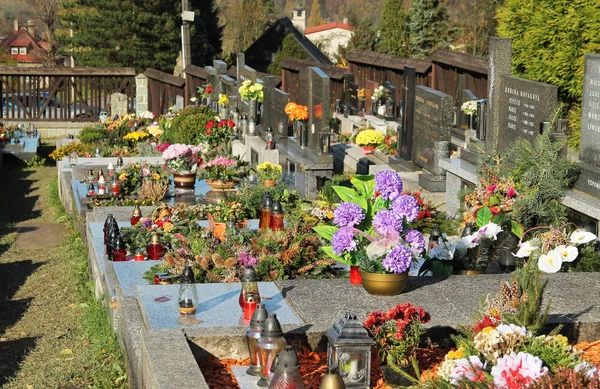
390,102
500,54
118,104
589,153
314,93
432,123
274,108
522,107
405,133
350,93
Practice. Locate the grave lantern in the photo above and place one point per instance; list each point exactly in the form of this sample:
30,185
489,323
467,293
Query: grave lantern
287,372
136,215
73,159
110,169
188,295
253,334
119,163
270,343
349,348
249,285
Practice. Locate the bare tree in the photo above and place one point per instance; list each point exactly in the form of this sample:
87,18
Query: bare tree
47,11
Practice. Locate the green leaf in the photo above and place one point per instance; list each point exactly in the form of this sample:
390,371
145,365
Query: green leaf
517,228
326,231
498,218
484,216
329,251
350,195
364,184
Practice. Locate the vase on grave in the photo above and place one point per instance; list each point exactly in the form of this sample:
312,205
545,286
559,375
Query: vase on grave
252,109
184,180
473,122
221,186
384,284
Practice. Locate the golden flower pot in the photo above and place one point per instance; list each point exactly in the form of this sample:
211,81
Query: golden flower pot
218,185
384,284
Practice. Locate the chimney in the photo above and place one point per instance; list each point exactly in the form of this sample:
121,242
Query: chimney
16,24
31,27
345,20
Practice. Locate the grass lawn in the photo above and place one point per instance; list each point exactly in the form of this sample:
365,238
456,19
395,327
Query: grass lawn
53,333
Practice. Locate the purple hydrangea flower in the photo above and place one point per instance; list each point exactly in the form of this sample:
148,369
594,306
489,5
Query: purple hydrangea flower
389,184
247,260
348,215
343,240
406,206
147,222
387,223
398,259
415,239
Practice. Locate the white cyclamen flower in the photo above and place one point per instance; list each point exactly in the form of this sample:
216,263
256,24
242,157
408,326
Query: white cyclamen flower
525,250
567,253
489,231
550,263
581,237
511,328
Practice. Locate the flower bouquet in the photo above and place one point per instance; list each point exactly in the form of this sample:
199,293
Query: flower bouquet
182,159
223,100
296,112
469,107
554,247
219,133
371,226
389,145
205,93
378,94
132,176
369,139
397,333
268,171
223,172
251,91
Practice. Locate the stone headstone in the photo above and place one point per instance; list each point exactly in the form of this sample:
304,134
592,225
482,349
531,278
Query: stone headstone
589,152
215,80
405,137
220,66
390,92
314,93
274,105
522,106
432,123
500,53
179,102
350,93
118,104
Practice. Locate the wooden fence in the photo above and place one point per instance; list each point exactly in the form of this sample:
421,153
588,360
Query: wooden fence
448,65
163,90
62,94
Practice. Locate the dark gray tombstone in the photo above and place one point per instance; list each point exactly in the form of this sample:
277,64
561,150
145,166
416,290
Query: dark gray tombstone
432,123
274,104
350,93
589,152
521,107
314,93
390,102
500,53
405,139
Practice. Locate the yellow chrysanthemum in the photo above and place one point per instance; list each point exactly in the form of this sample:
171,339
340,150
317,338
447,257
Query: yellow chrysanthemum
136,135
123,177
369,138
155,176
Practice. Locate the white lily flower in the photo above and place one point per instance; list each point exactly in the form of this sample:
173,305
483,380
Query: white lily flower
567,253
581,237
489,231
525,250
550,263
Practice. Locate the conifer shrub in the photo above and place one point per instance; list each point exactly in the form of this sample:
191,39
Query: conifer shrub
189,126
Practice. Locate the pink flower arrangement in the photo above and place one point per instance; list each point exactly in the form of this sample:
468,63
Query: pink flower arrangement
220,161
162,147
180,150
515,371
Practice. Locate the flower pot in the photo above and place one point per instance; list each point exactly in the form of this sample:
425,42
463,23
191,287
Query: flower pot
355,275
224,113
184,181
384,284
268,183
220,186
468,272
368,149
241,225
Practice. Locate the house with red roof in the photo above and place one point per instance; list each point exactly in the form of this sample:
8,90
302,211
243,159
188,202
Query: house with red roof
23,46
330,36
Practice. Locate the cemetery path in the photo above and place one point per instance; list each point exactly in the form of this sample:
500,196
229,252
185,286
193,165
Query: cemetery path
44,332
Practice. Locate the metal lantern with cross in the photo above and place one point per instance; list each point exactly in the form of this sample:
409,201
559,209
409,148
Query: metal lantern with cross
349,348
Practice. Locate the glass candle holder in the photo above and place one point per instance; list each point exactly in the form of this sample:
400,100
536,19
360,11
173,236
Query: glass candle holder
115,187
250,302
157,277
119,255
155,251
139,255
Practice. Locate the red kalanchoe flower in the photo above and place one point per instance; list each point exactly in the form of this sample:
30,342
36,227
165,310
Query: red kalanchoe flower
208,132
210,125
491,188
511,193
230,123
209,89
